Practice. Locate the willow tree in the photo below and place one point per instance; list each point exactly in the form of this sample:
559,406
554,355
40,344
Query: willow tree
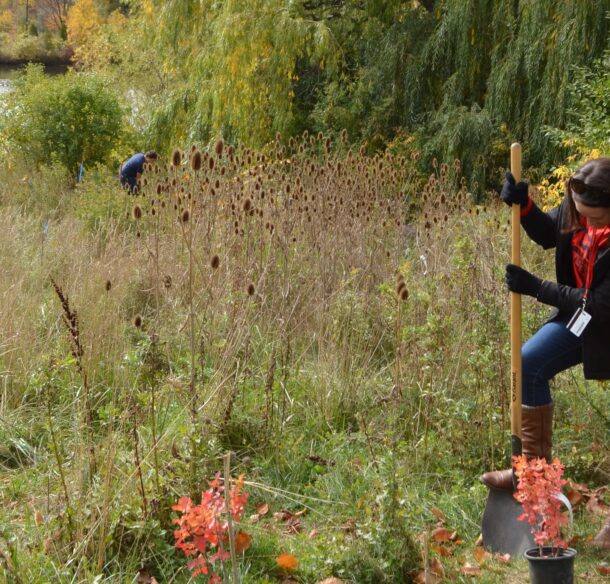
465,75
232,66
532,69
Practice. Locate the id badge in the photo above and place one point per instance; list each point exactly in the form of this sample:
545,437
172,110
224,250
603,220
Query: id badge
579,322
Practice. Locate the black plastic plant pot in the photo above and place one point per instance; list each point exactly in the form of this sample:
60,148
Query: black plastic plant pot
548,568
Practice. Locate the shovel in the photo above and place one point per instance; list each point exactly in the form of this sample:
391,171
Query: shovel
502,532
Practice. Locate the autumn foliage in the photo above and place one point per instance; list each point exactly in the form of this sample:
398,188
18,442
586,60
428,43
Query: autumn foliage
539,483
203,530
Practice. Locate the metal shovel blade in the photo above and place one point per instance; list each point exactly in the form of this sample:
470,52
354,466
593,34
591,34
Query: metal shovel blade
502,532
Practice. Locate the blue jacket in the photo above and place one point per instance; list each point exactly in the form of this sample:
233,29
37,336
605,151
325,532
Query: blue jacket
131,169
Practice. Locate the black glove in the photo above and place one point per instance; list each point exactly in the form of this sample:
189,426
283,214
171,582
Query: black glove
514,193
521,281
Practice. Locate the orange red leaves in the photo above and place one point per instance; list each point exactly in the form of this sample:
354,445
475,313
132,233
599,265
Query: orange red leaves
202,532
242,542
287,562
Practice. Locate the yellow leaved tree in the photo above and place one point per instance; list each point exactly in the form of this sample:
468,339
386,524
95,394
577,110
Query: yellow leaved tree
86,34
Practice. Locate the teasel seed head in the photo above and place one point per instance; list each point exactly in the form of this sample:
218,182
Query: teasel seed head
185,216
137,321
108,285
138,234
219,147
215,262
251,289
176,158
247,206
404,294
167,281
196,161
136,212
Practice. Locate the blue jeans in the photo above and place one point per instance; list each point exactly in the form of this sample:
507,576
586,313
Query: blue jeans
551,350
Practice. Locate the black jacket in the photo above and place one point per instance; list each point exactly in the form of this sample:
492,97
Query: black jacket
545,229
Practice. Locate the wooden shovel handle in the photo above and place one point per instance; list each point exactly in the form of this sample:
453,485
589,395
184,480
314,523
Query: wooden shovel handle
515,315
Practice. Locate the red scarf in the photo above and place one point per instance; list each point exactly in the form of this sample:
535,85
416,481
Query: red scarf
585,244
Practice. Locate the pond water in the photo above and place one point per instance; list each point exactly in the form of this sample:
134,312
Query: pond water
10,72
7,74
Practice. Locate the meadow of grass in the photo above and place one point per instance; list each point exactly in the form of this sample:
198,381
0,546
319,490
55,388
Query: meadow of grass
334,321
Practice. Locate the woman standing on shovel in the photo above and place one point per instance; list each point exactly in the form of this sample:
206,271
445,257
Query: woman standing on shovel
579,328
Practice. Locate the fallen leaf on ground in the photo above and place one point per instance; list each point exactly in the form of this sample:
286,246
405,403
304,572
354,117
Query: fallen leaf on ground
144,577
287,562
349,525
575,497
440,535
313,533
319,460
479,540
442,550
595,506
470,570
330,581
574,540
504,558
419,577
480,555
438,514
262,509
293,526
603,569
242,542
437,568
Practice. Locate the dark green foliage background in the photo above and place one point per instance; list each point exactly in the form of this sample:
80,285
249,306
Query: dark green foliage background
465,77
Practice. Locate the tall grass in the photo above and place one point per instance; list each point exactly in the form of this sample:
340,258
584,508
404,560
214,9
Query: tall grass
247,301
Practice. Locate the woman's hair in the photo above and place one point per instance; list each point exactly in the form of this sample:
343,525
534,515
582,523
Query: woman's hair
594,174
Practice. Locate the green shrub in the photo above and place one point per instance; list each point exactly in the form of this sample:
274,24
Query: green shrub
589,128
70,118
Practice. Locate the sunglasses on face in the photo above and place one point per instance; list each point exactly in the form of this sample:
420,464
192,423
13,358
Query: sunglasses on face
587,194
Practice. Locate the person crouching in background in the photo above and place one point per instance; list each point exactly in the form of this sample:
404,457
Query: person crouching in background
132,170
